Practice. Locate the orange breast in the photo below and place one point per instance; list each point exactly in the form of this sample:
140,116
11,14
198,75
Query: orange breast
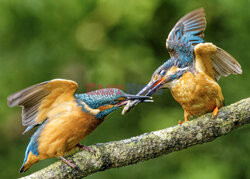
66,127
197,94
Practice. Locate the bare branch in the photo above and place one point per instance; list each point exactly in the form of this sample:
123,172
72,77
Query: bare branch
151,145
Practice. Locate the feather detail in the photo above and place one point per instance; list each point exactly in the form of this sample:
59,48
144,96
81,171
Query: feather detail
224,64
191,27
38,99
214,61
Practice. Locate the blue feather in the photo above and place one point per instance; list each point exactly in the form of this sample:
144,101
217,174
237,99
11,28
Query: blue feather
103,114
99,98
33,144
178,33
193,22
193,27
194,32
188,25
78,101
28,129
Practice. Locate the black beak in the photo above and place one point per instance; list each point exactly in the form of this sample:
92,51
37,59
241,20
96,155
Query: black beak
131,97
149,89
152,87
137,97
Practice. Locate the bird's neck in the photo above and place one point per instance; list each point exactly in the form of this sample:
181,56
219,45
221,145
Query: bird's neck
105,113
92,100
94,106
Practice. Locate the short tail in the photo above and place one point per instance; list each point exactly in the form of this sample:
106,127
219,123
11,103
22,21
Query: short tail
24,168
31,155
28,162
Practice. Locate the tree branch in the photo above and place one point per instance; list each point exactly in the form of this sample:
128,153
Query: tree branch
151,145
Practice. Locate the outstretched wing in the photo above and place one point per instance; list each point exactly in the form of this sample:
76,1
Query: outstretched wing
188,31
37,100
215,61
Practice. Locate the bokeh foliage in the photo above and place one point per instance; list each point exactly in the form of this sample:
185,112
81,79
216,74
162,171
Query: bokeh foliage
116,42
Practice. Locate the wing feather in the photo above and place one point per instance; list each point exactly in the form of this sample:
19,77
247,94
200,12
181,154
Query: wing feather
37,100
215,61
189,30
224,63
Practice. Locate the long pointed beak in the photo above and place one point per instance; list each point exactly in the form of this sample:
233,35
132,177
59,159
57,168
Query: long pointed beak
145,99
149,89
137,97
152,87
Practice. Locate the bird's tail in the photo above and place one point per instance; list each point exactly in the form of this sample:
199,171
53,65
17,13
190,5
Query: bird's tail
29,158
24,167
28,162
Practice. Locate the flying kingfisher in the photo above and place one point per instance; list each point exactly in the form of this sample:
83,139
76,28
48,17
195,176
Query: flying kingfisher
62,117
193,70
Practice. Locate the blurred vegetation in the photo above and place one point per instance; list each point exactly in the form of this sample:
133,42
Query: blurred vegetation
119,42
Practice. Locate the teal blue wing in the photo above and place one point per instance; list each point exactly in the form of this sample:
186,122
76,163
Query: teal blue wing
187,32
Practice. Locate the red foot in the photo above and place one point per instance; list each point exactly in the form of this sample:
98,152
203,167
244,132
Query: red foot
215,111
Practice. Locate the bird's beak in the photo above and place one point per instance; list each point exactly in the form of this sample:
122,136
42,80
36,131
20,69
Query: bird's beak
149,89
152,87
134,97
130,97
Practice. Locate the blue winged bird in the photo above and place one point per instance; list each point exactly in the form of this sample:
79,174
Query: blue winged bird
193,70
62,117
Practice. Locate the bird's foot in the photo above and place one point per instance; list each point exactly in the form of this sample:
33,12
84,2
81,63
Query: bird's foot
215,112
86,148
182,122
69,163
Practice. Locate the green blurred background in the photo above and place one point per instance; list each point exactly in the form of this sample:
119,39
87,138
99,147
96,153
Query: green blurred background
119,42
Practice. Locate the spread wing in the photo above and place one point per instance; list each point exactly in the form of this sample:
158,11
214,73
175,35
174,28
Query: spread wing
215,61
188,31
37,100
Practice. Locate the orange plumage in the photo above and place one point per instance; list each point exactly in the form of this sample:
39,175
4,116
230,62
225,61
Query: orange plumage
193,70
197,94
64,117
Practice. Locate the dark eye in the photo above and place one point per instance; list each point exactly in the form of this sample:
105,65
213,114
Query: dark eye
163,72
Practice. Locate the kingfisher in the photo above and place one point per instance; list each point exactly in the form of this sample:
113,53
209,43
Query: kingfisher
193,70
62,117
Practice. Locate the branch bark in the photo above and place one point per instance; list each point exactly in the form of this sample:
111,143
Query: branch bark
151,145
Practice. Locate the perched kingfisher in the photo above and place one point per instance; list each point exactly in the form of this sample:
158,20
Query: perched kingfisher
193,70
62,117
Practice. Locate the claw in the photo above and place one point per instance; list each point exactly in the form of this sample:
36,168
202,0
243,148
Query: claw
86,148
67,162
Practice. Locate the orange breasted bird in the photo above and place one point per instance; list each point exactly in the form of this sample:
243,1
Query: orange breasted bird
193,70
62,117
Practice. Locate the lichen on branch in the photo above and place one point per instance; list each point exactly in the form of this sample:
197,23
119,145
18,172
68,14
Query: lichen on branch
151,145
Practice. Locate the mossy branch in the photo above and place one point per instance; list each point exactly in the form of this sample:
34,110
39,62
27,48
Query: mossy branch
151,145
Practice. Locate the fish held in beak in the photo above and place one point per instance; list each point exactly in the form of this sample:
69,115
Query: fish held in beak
149,89
129,98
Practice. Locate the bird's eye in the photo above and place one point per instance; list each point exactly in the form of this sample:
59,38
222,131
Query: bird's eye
163,72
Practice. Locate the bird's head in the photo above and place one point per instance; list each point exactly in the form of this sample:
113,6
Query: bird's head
163,77
105,101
